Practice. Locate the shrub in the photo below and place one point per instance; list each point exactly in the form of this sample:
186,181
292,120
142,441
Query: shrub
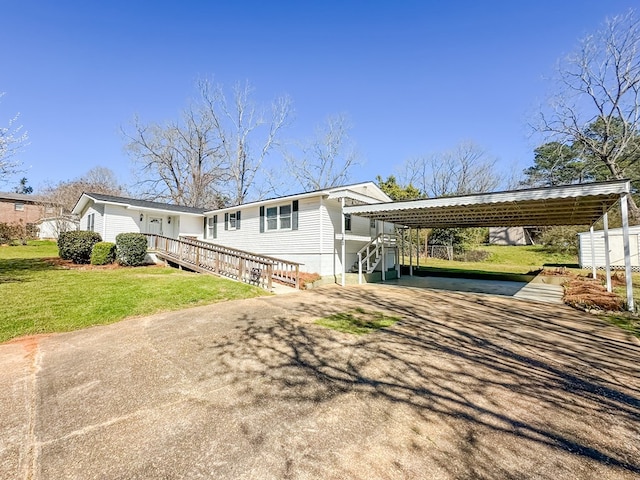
76,246
131,249
472,256
17,233
561,239
103,253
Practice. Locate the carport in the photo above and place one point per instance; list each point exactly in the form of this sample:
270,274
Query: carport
582,204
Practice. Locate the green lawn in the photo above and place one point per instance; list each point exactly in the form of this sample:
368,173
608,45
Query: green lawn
505,259
38,297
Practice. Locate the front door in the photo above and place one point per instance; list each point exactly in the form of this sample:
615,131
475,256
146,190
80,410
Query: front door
155,226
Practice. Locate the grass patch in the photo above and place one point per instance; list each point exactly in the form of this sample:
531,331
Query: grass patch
357,321
40,297
519,260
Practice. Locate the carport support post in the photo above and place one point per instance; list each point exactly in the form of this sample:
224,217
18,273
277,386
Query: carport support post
627,252
607,254
418,249
593,253
344,247
410,254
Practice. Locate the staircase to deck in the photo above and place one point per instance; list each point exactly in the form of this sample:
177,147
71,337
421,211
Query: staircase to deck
372,253
205,257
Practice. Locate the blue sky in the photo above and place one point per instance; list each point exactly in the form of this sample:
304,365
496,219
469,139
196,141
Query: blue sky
415,77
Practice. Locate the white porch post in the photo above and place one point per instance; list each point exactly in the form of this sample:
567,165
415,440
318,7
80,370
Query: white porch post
607,254
593,253
627,252
344,247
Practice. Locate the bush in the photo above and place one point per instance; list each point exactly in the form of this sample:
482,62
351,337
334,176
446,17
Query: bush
461,239
17,233
472,256
103,253
131,249
561,239
76,246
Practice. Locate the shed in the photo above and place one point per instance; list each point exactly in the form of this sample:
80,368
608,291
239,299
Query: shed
616,248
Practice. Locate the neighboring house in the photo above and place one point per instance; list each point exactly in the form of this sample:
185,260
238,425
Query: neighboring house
304,228
110,215
616,248
20,209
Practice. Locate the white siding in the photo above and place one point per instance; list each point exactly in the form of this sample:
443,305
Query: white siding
370,192
190,225
97,212
301,245
118,220
616,249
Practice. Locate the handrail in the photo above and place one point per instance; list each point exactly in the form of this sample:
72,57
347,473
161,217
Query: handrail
391,239
243,266
378,243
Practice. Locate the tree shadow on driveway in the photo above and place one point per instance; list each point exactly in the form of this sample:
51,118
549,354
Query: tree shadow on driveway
490,388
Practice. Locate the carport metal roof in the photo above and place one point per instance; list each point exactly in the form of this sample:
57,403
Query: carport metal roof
565,205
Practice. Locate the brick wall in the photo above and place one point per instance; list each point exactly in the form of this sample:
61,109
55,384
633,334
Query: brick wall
30,212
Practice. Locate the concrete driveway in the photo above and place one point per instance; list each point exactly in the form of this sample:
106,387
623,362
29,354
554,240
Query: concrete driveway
465,386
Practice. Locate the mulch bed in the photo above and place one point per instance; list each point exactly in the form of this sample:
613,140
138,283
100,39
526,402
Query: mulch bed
590,294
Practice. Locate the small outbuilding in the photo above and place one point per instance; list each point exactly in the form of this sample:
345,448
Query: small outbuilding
616,248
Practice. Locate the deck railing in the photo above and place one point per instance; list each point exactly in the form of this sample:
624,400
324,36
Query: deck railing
243,266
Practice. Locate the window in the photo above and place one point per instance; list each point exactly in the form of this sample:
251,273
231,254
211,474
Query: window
285,216
232,220
272,218
212,227
281,217
18,206
347,222
91,222
372,223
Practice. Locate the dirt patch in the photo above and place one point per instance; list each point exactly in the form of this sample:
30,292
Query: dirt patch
29,343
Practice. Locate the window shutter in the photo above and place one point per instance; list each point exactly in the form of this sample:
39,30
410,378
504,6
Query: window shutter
226,221
262,219
294,215
238,220
205,227
215,226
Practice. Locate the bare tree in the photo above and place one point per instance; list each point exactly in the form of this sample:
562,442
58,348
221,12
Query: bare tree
12,140
213,154
596,105
326,160
244,147
467,168
59,199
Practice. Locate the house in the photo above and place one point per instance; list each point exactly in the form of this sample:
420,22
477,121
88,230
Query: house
20,209
305,228
110,215
616,248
